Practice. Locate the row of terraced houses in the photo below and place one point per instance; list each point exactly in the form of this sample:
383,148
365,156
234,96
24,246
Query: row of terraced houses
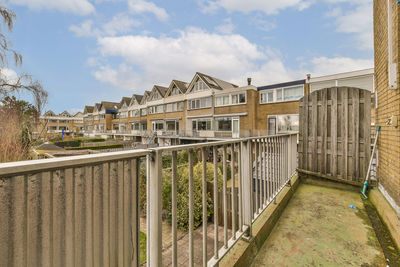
205,109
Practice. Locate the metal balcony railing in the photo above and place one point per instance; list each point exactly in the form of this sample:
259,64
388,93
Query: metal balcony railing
84,210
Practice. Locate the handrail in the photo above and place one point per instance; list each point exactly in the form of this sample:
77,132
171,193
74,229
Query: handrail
21,167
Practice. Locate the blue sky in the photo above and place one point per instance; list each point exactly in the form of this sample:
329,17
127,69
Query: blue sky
86,51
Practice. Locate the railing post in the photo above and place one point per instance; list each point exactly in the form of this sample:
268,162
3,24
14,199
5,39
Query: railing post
247,184
154,210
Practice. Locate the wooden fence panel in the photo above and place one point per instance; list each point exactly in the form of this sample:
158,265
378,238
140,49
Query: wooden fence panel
334,133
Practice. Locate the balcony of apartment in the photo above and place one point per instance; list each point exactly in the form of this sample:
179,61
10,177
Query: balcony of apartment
214,204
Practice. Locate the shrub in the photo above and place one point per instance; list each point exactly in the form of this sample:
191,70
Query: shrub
69,143
183,195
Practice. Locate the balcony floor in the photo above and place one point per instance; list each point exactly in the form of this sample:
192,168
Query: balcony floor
318,228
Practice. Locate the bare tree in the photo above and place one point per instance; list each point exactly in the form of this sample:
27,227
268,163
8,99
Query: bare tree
15,130
23,82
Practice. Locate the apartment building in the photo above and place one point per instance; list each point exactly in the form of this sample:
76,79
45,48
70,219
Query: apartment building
278,107
207,108
56,124
387,58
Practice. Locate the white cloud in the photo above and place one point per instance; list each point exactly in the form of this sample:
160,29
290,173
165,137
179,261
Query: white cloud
79,7
119,24
267,6
161,59
143,6
149,60
357,21
326,66
227,27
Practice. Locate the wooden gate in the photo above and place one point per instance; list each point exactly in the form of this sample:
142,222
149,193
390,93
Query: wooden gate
334,141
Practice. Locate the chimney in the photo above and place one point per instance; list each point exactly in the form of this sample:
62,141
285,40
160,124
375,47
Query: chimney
308,77
248,81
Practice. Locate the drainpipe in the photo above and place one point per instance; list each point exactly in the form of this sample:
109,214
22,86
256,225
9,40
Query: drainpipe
392,65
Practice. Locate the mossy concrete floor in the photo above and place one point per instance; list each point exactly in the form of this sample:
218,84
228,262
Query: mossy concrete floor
318,228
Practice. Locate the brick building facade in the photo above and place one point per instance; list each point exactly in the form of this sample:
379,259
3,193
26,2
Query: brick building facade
386,54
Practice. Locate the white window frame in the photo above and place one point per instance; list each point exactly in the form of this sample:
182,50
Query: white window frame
155,109
230,99
199,86
206,120
200,99
275,94
277,121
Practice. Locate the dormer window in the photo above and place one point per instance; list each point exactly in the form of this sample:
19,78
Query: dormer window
199,86
175,91
156,96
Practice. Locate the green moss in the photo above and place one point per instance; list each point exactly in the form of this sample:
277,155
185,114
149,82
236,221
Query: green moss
143,251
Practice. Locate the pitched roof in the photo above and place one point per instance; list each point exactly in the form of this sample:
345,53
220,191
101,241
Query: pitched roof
163,90
137,98
65,114
88,109
49,113
110,105
97,107
215,83
49,147
125,100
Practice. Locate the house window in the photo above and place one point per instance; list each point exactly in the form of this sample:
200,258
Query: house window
135,113
171,125
173,107
267,97
175,91
200,103
293,93
222,100
158,126
135,126
156,109
156,96
223,124
279,95
199,86
282,94
239,98
201,125
283,123
143,111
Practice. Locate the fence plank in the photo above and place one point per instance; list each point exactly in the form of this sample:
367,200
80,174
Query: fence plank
319,113
334,130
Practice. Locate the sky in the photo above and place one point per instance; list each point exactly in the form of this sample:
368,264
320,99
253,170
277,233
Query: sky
87,51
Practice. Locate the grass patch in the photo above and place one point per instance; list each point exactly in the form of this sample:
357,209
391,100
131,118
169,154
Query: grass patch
143,247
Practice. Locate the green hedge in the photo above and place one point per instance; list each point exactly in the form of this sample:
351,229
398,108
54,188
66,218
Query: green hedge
95,147
69,143
94,140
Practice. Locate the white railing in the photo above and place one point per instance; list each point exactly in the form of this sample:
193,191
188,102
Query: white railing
84,210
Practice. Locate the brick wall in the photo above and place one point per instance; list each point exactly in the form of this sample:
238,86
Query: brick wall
388,171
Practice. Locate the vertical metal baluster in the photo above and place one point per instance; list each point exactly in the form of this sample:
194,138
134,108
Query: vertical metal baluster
191,252
265,171
224,169
204,187
215,161
233,191
240,187
268,170
174,210
256,172
260,172
276,165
